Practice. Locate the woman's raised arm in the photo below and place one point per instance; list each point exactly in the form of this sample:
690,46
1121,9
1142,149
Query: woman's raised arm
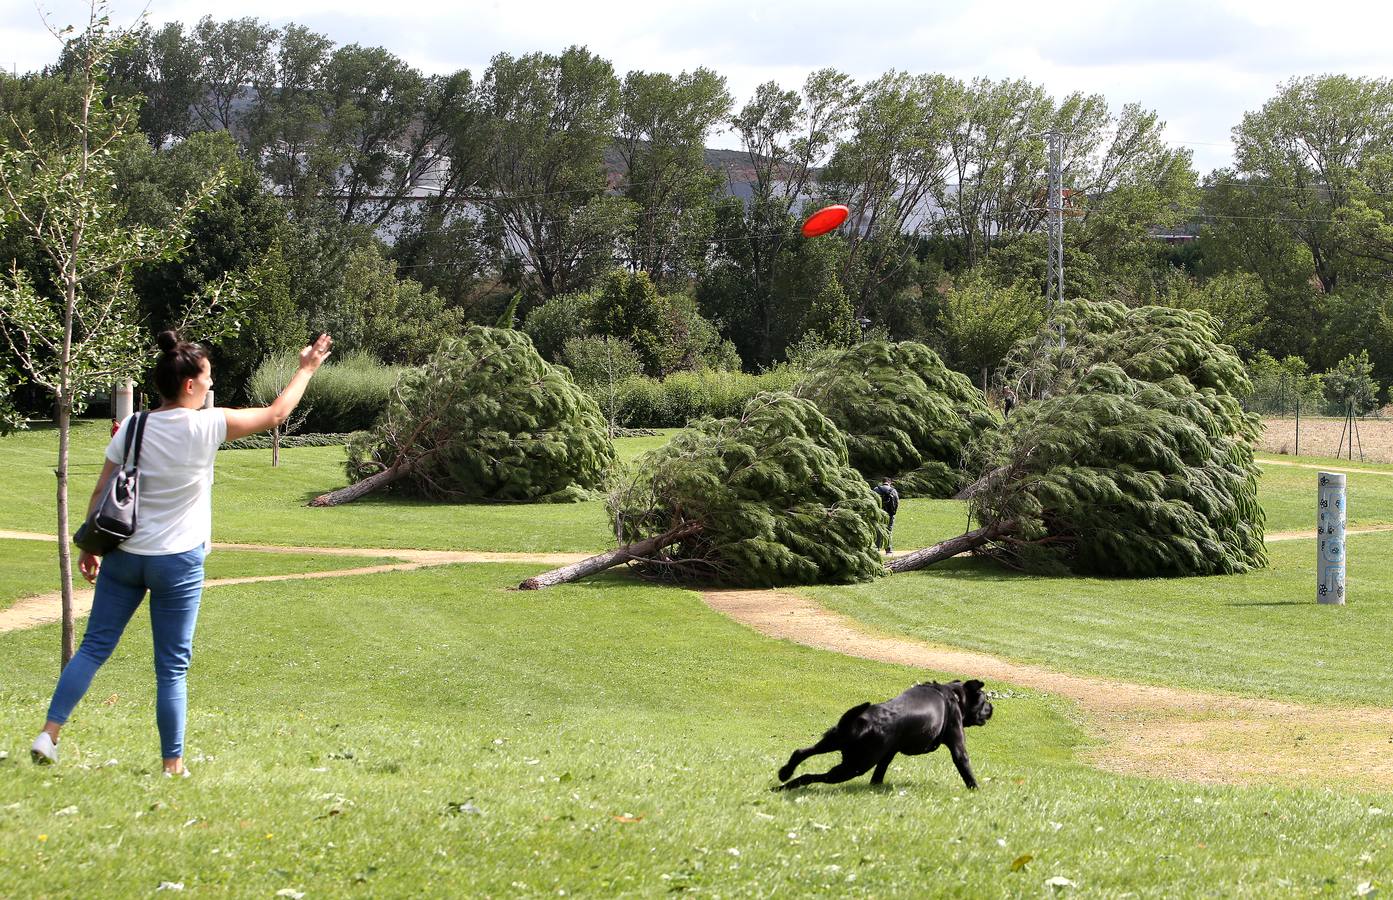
242,422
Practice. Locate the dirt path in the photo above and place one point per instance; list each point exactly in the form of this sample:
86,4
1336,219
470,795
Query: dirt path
41,609
1141,729
1273,536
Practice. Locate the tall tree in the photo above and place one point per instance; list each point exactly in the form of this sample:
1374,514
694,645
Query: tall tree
388,132
888,171
997,162
548,120
235,56
1301,158
289,117
787,136
664,123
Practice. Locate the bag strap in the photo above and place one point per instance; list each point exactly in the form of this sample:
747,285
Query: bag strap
136,431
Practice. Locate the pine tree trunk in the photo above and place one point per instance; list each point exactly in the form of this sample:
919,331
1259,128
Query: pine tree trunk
577,571
366,486
950,548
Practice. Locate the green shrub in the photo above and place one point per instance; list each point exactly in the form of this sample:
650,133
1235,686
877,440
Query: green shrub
682,396
639,402
556,321
264,441
1351,383
347,394
598,360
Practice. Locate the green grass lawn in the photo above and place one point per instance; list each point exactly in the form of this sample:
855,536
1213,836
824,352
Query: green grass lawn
254,503
1288,495
1260,634
437,733
31,567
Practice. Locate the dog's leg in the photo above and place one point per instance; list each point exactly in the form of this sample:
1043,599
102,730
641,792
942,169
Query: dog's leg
959,750
878,776
842,771
830,742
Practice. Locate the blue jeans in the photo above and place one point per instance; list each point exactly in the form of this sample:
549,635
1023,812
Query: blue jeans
175,583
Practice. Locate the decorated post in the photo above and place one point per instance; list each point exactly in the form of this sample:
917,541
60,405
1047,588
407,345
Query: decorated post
125,399
1330,538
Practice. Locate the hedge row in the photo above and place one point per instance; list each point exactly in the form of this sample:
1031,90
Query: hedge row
640,401
346,394
263,441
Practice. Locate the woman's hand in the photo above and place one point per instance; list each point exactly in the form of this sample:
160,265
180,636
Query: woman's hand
314,355
88,565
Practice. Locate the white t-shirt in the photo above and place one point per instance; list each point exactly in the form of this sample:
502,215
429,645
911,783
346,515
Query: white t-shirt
176,478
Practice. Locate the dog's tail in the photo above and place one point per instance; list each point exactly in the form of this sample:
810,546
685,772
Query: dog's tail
849,720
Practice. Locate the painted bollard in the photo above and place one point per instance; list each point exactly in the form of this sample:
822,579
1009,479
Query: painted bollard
1330,538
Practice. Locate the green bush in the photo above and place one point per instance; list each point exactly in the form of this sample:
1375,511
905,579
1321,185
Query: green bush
682,396
264,441
1351,383
347,394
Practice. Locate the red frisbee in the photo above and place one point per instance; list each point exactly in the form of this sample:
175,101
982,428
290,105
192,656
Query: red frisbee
825,220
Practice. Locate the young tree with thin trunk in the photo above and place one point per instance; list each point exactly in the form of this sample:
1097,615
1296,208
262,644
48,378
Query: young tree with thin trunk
73,326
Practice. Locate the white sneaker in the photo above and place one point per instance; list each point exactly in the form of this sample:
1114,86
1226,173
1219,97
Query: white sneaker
44,751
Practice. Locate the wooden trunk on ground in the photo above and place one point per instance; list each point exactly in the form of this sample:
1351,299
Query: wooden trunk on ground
366,486
626,553
948,549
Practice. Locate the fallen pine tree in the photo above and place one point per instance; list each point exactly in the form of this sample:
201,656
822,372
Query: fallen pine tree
904,414
1135,460
486,418
763,498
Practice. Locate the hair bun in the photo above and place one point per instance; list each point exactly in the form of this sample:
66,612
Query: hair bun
168,340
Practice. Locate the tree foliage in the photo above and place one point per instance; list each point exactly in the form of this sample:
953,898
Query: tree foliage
979,321
903,413
666,330
1350,385
1138,460
770,492
486,418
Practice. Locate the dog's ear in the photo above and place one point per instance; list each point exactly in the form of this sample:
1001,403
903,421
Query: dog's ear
974,687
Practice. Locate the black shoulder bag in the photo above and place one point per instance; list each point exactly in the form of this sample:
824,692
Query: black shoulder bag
114,518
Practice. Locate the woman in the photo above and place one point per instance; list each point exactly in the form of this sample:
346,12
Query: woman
173,530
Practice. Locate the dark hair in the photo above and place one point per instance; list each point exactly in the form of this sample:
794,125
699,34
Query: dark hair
179,361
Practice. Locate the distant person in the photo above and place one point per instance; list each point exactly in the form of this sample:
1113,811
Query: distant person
890,502
1008,401
174,526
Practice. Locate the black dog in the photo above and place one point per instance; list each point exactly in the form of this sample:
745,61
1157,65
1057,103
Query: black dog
920,720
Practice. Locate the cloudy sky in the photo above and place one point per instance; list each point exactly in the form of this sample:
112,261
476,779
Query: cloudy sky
1199,63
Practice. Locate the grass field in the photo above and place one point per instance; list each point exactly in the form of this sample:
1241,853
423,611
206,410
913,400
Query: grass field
1219,633
435,732
438,732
